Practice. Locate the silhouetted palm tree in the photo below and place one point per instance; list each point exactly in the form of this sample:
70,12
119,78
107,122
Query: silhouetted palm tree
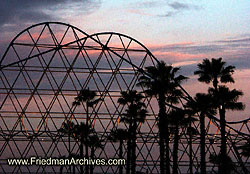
119,135
178,118
202,104
82,133
89,98
215,71
162,82
226,100
75,131
134,114
67,129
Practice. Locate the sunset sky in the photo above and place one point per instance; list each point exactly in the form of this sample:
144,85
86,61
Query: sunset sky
181,33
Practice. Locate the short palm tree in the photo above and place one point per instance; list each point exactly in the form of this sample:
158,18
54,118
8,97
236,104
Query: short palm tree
216,71
78,132
119,135
226,99
68,129
95,143
178,118
135,113
163,82
219,159
89,98
202,104
245,149
68,157
82,133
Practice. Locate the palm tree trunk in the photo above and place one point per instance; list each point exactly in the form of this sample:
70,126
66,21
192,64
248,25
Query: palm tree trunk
120,156
133,153
129,151
163,134
203,143
162,150
74,169
215,84
166,149
86,137
69,150
128,156
190,150
61,169
175,150
92,157
81,152
223,150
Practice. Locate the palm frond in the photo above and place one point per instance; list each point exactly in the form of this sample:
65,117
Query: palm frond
214,70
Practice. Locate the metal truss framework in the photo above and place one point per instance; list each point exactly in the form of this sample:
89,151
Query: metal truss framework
45,67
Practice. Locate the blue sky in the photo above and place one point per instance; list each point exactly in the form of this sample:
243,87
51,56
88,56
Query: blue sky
192,29
168,22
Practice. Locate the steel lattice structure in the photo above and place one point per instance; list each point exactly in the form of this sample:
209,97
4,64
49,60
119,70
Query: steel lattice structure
45,67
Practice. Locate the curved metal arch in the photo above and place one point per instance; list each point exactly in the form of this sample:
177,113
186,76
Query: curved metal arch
237,122
33,26
80,39
124,35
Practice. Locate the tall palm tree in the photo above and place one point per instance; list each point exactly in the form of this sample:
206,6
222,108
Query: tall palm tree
202,104
226,99
119,135
216,71
89,98
178,118
162,82
135,113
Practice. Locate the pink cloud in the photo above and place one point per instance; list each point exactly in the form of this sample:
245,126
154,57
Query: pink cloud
139,12
170,45
178,55
25,37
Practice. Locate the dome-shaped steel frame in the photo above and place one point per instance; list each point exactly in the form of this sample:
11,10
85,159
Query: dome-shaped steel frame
44,68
